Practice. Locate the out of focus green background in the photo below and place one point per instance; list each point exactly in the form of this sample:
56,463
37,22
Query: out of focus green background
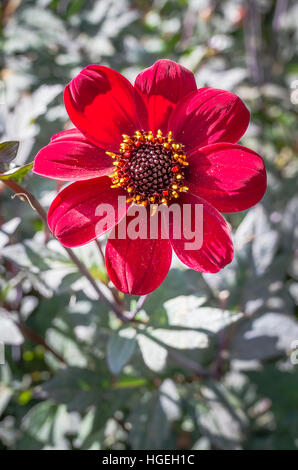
215,366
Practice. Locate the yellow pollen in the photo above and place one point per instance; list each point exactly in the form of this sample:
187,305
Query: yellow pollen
154,209
176,147
124,146
150,167
111,154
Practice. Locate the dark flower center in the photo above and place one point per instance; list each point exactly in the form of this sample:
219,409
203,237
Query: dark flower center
150,168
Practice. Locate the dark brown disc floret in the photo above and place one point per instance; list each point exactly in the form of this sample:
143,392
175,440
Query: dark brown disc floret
150,168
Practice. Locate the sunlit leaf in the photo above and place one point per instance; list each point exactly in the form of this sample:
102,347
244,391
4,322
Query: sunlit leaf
16,174
9,332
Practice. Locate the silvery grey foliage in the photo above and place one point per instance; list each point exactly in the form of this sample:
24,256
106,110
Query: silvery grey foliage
211,362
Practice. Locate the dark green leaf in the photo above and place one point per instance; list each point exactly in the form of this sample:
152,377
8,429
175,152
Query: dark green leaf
120,349
8,151
76,387
150,427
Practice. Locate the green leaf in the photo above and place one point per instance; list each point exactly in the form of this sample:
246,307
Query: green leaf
154,355
149,424
17,174
121,347
40,420
186,312
190,327
266,337
49,423
9,332
35,255
177,282
130,382
74,7
8,151
170,400
223,420
63,341
280,387
5,396
76,387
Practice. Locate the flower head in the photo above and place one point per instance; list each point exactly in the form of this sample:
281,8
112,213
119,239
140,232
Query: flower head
159,142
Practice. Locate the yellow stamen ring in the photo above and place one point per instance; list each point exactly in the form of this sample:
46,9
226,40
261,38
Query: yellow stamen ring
149,167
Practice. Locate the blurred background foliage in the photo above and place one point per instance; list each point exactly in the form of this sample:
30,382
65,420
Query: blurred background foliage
211,364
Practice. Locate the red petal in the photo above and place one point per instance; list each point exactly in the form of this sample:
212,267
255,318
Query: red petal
74,216
138,266
208,116
161,87
217,248
231,177
103,105
70,156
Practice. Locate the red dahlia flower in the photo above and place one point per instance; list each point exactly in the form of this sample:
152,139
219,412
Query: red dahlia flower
157,142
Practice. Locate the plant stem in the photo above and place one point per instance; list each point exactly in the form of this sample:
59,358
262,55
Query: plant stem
113,290
139,306
84,271
98,244
19,190
36,339
190,364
